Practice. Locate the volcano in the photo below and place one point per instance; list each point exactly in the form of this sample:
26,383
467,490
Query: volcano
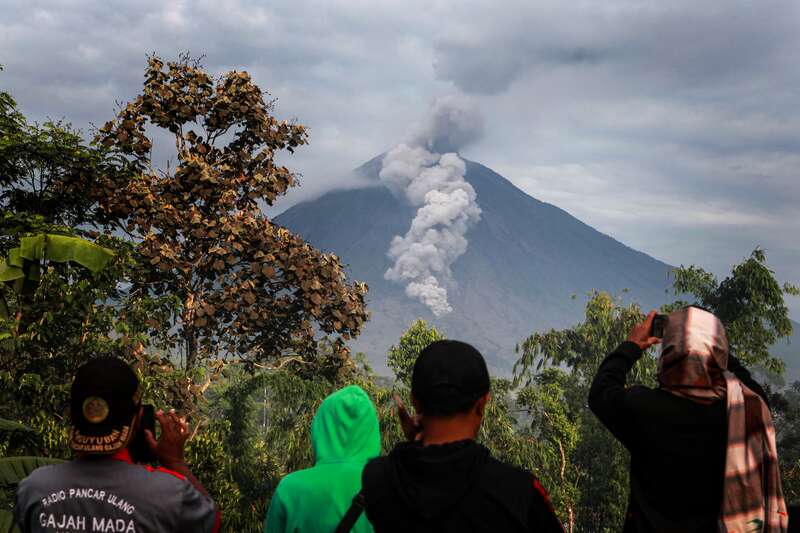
529,265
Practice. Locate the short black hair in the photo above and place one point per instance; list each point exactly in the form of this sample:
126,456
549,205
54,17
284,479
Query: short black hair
448,378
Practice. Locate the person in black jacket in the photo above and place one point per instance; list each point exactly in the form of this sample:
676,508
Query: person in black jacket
442,480
677,434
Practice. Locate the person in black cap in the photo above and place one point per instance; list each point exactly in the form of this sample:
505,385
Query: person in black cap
103,489
442,480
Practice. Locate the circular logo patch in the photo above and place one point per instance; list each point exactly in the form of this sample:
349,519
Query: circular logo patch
95,409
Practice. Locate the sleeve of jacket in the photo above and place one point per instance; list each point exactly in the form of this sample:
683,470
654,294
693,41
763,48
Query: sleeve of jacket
275,521
543,518
198,512
735,366
607,395
21,506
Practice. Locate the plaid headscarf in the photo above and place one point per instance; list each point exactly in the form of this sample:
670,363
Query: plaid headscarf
693,364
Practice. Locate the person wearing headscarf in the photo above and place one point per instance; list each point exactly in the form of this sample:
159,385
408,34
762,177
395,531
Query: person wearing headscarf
702,444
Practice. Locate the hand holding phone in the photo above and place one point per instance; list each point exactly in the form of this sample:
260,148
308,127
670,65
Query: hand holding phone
642,334
659,326
168,449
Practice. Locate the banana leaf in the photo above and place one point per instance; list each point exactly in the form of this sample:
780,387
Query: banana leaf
33,247
57,248
15,469
10,425
10,273
14,259
61,249
11,267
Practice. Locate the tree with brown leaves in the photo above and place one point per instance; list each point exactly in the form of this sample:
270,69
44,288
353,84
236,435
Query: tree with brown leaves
233,284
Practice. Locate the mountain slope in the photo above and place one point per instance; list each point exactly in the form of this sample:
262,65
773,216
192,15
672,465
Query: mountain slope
525,261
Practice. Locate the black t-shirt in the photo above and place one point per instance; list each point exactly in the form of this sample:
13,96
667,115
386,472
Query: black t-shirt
455,487
677,447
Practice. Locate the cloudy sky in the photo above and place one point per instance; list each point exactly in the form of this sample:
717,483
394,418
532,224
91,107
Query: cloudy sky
672,126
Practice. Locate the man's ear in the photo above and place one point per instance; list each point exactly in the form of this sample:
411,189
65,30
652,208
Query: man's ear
480,405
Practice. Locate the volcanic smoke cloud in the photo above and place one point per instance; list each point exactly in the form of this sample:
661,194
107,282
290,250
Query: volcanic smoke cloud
447,207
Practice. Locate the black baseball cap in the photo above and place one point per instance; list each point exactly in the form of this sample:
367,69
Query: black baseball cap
105,399
448,377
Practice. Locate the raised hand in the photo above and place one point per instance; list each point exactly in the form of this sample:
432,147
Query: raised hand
640,334
412,425
168,449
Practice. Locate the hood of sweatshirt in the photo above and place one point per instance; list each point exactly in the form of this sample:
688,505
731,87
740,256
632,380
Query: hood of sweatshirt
433,479
346,428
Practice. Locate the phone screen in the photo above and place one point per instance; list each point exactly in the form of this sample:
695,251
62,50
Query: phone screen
659,325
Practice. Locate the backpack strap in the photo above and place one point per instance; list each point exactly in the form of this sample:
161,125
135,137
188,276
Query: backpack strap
353,513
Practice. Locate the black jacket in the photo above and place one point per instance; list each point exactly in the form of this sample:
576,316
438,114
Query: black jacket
453,487
677,447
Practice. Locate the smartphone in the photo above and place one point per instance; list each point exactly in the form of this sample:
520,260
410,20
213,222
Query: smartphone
659,325
138,447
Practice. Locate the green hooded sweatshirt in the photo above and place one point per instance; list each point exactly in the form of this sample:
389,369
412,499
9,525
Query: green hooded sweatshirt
344,435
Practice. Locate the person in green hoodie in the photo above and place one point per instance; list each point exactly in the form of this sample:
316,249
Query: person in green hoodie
345,435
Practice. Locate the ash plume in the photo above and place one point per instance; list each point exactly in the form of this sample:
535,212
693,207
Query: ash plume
434,182
454,121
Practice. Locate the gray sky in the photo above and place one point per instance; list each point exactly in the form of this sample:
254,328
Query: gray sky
672,126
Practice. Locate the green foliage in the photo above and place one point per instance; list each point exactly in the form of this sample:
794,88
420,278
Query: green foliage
416,338
400,359
52,436
54,318
212,461
785,406
55,313
21,269
750,302
554,429
598,482
46,170
583,347
282,426
55,248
